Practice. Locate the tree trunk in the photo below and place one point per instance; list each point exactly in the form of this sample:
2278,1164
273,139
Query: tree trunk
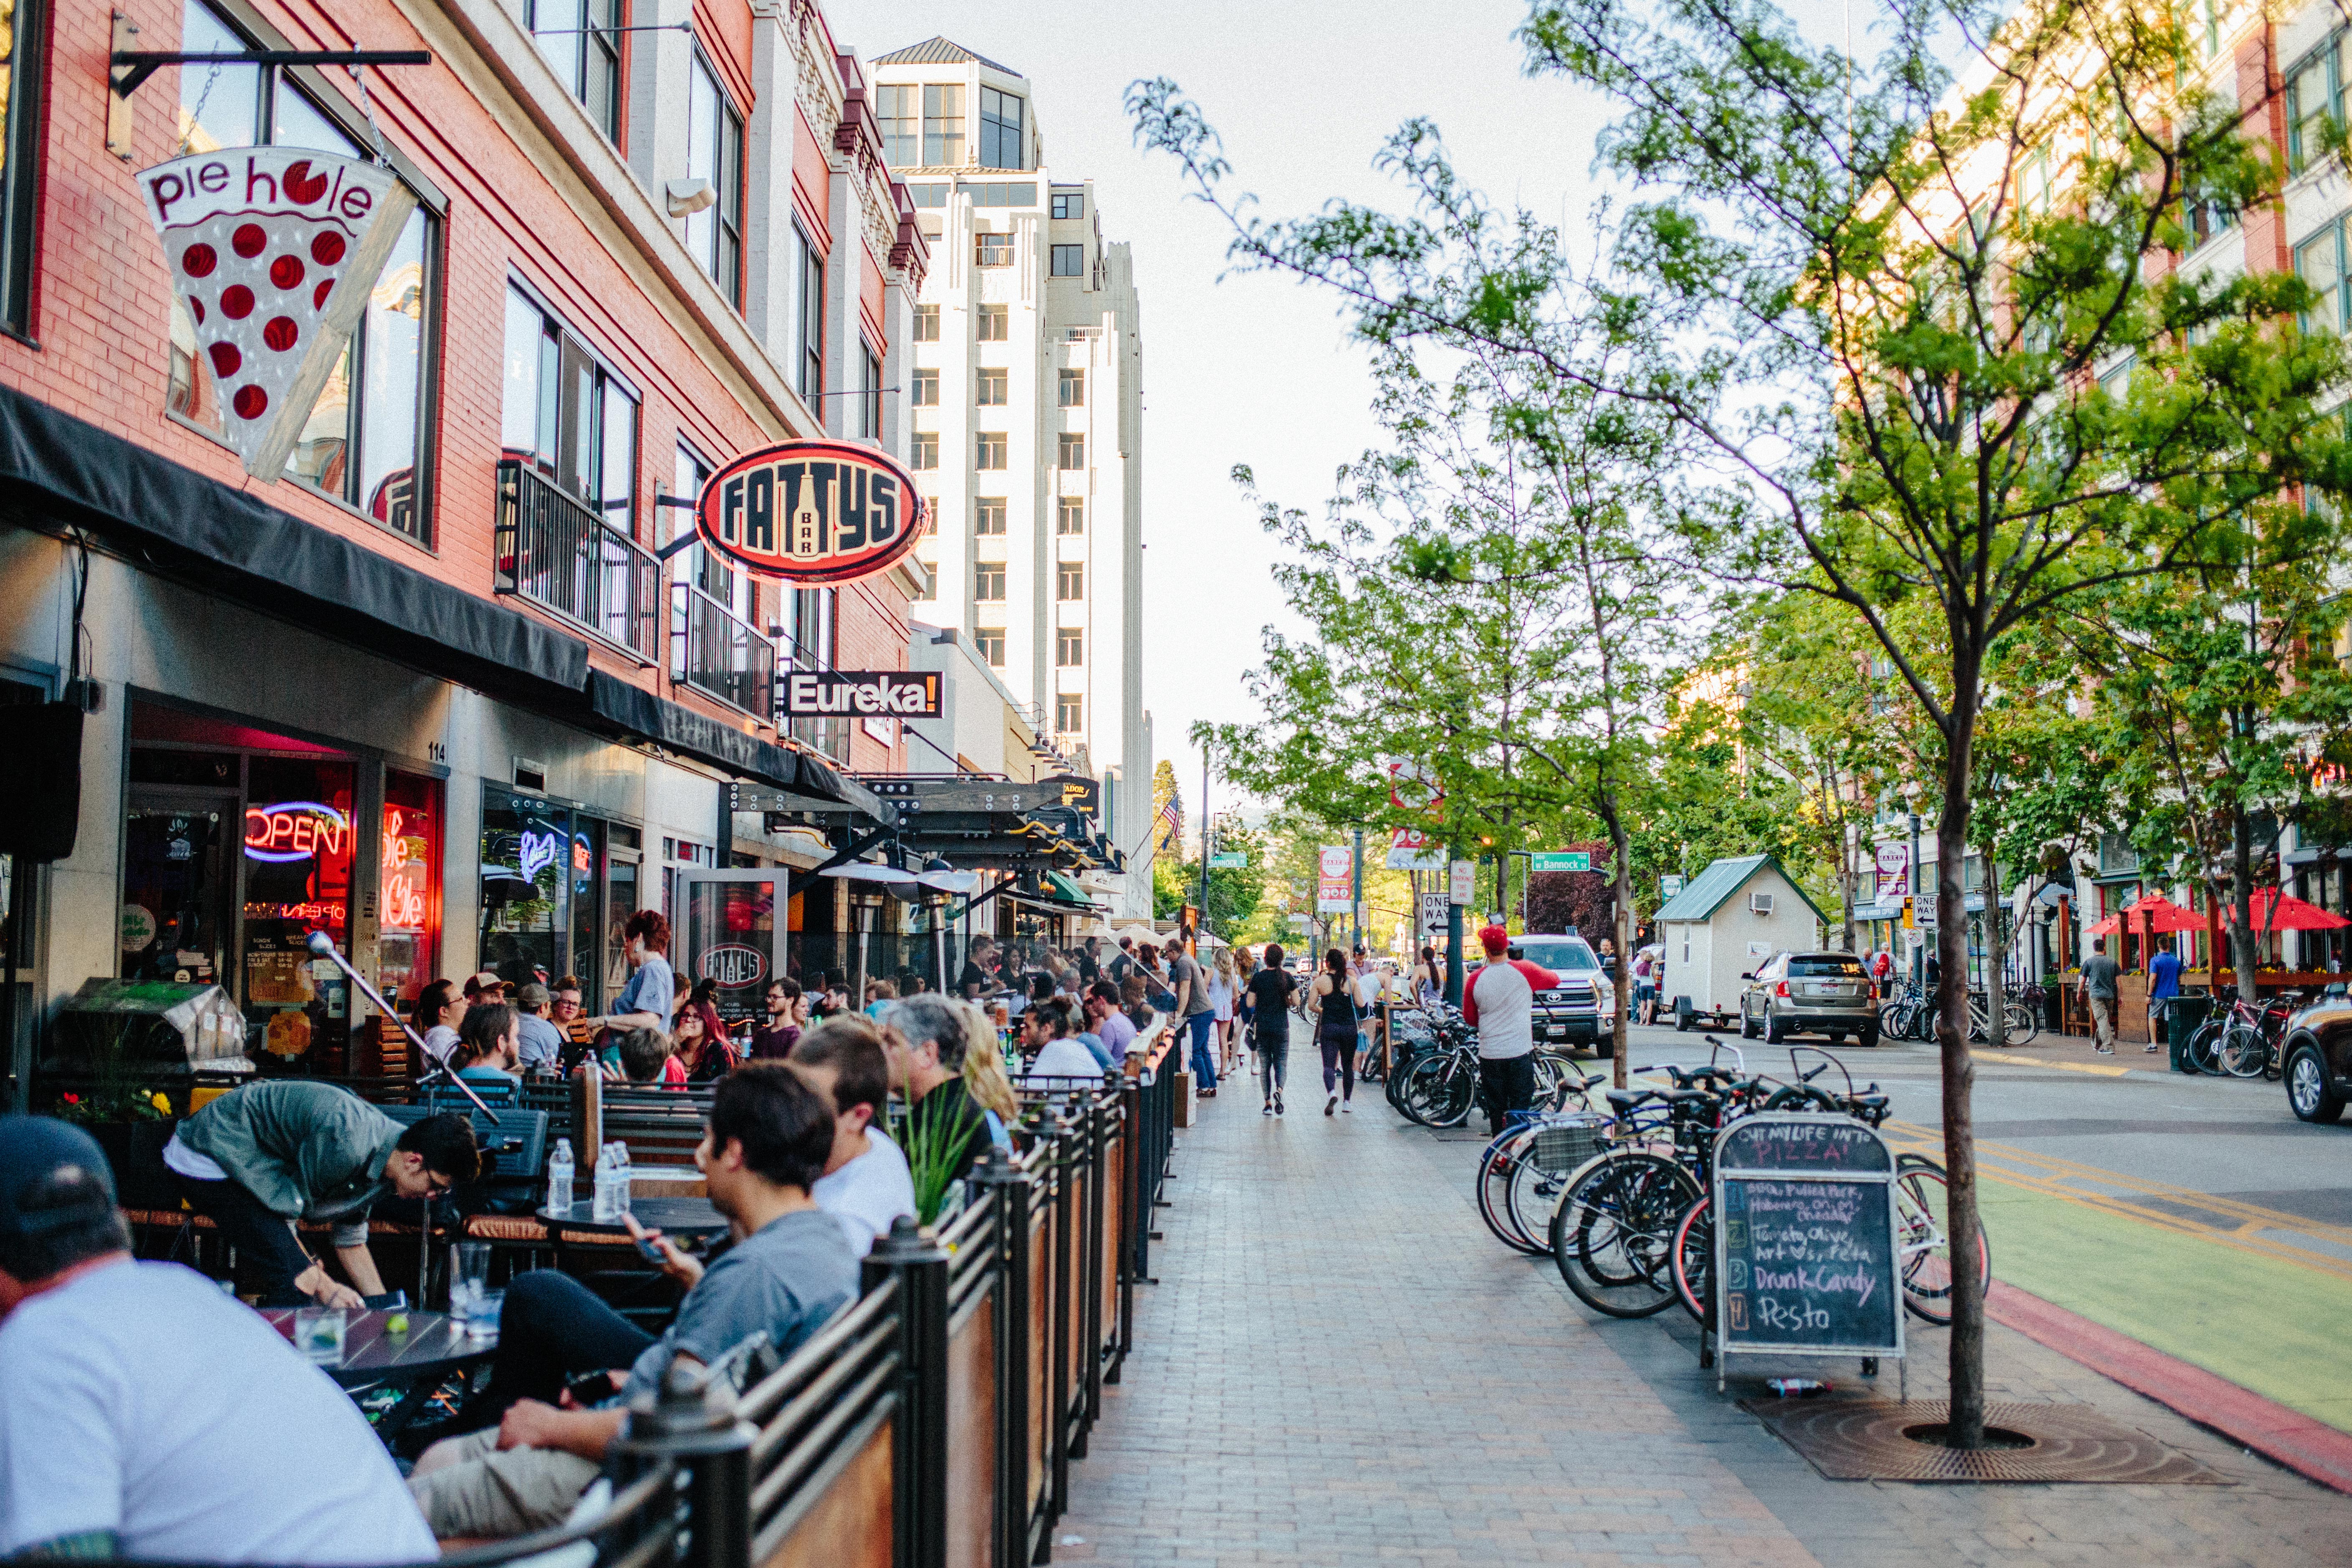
2242,889
1622,892
1967,1343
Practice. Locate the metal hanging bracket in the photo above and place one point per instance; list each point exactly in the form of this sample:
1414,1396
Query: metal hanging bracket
138,65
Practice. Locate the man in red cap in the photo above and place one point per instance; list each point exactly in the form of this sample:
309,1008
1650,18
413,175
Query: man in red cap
1500,999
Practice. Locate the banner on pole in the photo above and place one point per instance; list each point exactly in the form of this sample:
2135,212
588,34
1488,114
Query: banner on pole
1411,849
1335,870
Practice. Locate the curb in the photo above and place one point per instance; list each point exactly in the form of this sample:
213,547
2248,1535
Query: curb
2304,1444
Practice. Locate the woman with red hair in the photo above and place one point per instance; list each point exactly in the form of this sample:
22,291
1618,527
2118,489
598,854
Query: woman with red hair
645,1002
700,1041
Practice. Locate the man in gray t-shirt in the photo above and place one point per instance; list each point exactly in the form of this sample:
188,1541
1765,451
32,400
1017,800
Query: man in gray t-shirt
2099,972
1196,1012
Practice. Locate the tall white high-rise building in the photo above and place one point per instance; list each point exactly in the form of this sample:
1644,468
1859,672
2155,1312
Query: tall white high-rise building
1027,417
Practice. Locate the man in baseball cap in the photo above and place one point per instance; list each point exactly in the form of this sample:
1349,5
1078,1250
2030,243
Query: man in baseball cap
542,1042
149,1415
1500,999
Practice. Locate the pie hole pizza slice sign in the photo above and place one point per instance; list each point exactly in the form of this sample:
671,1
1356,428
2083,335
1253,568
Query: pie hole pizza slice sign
273,249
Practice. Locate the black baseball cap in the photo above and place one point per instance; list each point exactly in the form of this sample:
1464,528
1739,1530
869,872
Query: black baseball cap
59,1165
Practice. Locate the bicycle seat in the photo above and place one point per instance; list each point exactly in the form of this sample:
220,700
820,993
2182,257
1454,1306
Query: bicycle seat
1624,1100
1592,1082
1869,1101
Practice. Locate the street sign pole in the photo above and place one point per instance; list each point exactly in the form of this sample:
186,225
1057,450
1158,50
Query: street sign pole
1356,905
1453,933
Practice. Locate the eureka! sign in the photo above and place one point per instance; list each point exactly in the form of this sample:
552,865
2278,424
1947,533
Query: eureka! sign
819,694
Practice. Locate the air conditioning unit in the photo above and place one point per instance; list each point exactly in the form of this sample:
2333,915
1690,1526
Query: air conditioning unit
1760,903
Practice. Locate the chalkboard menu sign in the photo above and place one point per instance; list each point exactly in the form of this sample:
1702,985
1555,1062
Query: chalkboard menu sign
1805,1239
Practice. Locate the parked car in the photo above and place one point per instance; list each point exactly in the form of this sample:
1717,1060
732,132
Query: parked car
1809,993
2318,1057
1577,1011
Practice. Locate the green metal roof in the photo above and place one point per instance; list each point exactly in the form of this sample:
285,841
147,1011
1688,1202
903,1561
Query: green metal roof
1713,888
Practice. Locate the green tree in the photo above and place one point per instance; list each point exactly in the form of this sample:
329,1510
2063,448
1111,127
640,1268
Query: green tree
1878,319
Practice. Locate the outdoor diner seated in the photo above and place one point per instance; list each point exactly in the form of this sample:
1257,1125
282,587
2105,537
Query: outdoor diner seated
489,1043
148,1416
640,1057
262,1157
1045,1031
867,1183
541,1436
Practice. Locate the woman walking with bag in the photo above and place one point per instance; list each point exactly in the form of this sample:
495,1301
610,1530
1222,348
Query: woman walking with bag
1333,1000
1223,983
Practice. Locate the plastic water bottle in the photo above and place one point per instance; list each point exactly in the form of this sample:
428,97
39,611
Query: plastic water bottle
601,1205
559,1175
620,1177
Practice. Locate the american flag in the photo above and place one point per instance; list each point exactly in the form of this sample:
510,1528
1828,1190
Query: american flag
1169,823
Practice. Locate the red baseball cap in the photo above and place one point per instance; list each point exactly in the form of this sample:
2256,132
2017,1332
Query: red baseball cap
1495,939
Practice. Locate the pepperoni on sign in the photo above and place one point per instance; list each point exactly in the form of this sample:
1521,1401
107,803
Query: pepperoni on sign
246,225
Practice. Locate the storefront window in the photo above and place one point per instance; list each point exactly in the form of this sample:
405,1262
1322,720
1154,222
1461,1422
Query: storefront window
525,886
298,839
176,883
409,935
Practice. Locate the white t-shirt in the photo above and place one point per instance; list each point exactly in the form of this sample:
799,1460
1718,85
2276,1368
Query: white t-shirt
868,1193
1064,1058
142,1400
1505,1004
439,1041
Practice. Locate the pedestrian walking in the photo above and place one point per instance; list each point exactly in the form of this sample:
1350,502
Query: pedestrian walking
1645,987
1270,990
2099,972
1194,1013
1222,982
1499,1000
2163,985
1332,1000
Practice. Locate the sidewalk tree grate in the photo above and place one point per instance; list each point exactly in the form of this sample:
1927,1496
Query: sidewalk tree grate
1865,1440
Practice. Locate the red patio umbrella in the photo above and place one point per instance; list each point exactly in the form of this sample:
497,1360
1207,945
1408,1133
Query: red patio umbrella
2150,914
2292,914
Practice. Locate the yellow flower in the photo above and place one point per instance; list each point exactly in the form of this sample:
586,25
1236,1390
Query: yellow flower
161,1102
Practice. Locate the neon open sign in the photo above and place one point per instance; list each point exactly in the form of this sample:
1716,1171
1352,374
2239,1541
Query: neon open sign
293,830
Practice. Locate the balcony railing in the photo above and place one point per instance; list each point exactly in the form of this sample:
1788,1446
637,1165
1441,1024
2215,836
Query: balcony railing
713,651
555,551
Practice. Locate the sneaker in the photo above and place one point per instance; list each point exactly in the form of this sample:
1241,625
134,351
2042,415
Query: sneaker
1267,1110
2104,1051
1278,1102
2151,1050
1347,1108
1330,1105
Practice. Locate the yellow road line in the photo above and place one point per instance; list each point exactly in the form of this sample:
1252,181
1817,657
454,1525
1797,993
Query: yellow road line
2099,1069
2049,1176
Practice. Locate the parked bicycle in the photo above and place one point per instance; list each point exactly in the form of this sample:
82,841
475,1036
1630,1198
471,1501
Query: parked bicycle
1632,1232
2243,1039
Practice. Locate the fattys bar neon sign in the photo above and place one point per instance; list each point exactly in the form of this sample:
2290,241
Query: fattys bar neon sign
811,511
293,830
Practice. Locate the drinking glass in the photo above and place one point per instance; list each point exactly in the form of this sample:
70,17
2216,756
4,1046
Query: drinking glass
319,1333
485,1321
470,1279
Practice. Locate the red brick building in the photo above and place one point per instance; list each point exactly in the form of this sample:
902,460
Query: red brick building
432,689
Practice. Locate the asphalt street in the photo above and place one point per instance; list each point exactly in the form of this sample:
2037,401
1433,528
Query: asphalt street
2195,1213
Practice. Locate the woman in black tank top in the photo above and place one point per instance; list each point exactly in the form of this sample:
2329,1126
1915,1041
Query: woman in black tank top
1335,1030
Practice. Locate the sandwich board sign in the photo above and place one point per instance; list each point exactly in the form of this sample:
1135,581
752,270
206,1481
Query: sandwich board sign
1808,1261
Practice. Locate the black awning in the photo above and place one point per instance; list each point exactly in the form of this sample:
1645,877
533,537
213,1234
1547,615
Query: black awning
636,714
194,528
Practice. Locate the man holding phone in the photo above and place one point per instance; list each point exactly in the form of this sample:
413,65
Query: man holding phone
788,1270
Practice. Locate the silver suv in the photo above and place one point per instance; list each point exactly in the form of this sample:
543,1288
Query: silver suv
1810,994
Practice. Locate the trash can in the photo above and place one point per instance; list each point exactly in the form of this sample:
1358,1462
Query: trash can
2183,1015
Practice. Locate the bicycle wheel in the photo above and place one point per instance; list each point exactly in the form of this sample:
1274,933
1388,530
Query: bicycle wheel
1552,1088
1420,1089
2245,1053
1613,1228
1922,1210
2203,1051
2022,1023
1542,1173
1459,1087
1506,1157
1693,1258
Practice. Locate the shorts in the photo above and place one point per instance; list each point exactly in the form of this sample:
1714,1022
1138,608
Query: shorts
1645,992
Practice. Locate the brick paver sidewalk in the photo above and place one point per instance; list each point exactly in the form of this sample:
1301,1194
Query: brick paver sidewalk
1340,1365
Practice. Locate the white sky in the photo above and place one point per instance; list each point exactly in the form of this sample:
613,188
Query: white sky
1254,370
